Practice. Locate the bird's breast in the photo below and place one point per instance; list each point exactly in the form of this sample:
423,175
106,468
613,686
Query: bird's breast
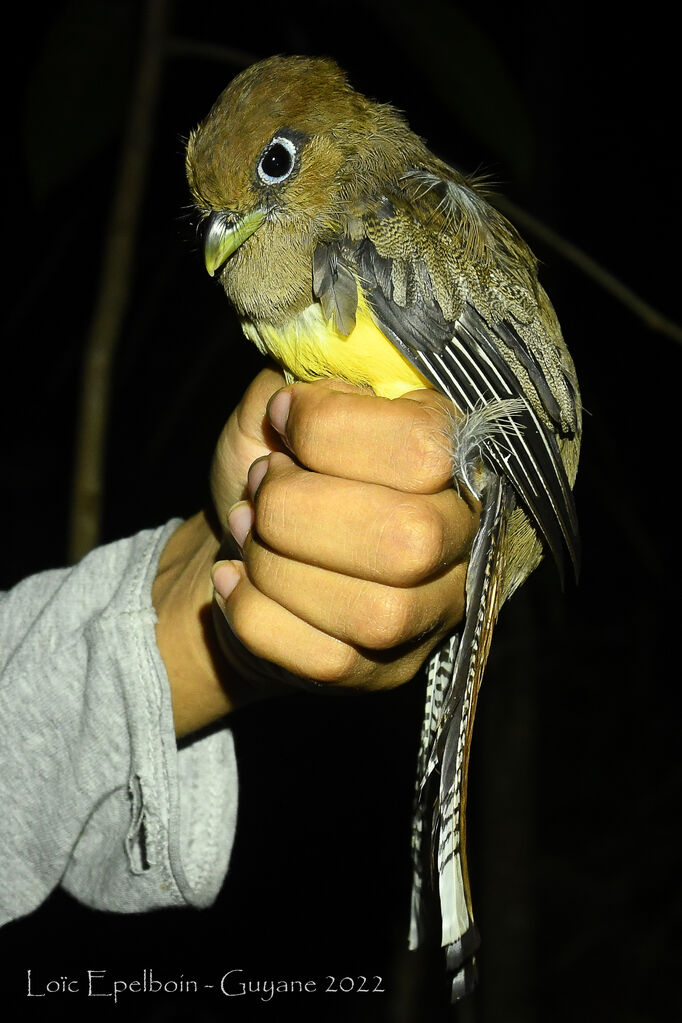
310,347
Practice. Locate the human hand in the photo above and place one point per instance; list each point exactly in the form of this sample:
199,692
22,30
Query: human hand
354,542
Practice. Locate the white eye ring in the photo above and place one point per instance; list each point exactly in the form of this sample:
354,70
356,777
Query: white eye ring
270,176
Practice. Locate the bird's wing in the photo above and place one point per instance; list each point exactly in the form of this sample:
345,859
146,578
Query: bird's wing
462,359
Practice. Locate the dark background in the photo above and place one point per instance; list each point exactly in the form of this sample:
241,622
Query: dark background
575,775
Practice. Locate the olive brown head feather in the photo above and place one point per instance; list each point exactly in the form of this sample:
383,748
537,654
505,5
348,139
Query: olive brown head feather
350,250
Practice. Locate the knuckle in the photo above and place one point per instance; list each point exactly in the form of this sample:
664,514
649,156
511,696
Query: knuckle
314,414
270,506
244,625
386,620
411,543
336,664
266,570
429,448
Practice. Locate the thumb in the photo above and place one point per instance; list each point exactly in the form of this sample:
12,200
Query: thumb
246,436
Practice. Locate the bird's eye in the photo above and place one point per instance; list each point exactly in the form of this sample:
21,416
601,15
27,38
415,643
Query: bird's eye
277,162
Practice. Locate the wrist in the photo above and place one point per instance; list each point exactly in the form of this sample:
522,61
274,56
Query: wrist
182,594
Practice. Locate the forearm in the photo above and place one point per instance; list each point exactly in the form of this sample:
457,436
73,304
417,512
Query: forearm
96,795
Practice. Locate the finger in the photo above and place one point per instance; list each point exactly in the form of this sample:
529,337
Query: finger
364,530
356,611
246,436
271,632
251,419
405,443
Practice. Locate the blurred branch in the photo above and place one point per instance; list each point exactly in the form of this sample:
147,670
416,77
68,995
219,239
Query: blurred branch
604,278
113,293
174,46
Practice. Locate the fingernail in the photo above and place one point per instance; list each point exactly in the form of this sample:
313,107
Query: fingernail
278,410
240,519
225,577
256,473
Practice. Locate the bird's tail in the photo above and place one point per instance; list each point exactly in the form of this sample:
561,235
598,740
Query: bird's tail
454,678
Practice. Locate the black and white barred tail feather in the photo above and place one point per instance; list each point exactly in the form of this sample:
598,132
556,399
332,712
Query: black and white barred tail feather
454,678
439,677
466,441
483,600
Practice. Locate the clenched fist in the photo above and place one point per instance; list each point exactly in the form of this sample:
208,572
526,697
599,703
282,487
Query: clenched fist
353,547
353,540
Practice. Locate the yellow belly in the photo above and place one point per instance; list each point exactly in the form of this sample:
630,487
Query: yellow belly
309,348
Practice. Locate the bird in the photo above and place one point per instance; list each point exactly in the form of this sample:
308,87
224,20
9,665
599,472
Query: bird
350,250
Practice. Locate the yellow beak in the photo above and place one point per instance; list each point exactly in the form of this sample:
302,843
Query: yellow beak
224,236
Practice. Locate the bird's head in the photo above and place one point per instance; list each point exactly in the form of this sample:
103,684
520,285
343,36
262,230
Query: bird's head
281,162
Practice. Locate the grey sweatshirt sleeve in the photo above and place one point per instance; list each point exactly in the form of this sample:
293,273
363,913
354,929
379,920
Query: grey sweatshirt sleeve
94,794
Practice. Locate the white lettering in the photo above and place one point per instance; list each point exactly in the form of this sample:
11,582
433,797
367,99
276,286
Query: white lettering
96,975
226,984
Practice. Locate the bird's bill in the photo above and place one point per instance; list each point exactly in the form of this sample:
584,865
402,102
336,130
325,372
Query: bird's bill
224,236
